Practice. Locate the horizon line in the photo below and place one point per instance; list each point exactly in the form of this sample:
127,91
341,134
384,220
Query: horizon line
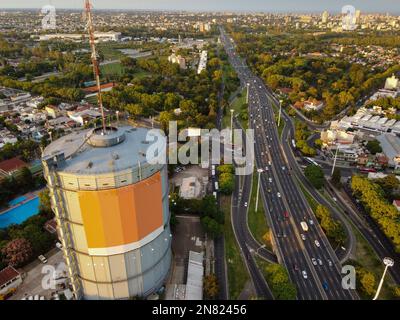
207,11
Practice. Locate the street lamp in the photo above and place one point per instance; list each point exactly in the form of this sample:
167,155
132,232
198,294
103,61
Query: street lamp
388,262
261,247
232,111
247,95
334,160
117,112
258,186
280,112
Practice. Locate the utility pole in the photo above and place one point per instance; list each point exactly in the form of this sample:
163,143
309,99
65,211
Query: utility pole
95,61
258,186
280,112
388,262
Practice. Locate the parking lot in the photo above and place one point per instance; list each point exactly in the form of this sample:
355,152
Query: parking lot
34,281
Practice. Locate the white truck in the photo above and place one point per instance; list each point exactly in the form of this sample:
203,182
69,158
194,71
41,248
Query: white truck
304,226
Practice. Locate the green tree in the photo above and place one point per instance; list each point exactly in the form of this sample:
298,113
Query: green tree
374,146
211,226
211,288
336,177
279,281
44,201
315,175
17,252
367,281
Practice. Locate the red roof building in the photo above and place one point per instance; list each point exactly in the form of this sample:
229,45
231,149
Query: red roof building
10,166
9,279
104,87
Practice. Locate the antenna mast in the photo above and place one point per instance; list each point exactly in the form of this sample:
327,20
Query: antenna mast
95,61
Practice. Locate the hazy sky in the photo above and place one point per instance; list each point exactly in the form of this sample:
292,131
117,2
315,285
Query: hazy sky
392,6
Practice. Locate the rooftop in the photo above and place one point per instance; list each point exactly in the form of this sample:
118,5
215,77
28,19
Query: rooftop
7,274
11,165
89,152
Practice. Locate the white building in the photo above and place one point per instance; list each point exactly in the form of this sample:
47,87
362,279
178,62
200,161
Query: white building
202,62
392,83
390,145
325,17
190,188
178,60
194,284
84,116
314,105
99,36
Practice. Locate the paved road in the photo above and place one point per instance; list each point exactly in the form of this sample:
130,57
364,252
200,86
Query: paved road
287,136
282,198
219,242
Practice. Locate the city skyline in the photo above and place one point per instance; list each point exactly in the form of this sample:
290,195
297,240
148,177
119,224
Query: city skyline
223,5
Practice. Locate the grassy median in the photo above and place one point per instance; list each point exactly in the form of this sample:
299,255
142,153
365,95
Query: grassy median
239,105
237,271
256,219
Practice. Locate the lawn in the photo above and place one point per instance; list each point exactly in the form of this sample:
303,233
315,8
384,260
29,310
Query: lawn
112,69
237,271
365,256
238,105
110,52
256,219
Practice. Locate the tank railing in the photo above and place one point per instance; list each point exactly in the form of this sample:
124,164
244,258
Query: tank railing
66,235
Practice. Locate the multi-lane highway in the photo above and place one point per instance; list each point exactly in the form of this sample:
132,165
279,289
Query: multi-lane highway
307,255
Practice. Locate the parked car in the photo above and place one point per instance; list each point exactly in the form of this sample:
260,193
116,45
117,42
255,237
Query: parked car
43,259
59,245
317,243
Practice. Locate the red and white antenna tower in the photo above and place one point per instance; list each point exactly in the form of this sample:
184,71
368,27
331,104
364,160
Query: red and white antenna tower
95,61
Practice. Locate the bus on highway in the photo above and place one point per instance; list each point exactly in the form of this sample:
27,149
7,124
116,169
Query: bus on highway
311,161
304,226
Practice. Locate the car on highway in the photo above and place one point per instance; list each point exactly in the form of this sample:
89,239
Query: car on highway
245,204
311,222
314,261
59,245
319,262
317,243
330,263
325,286
269,163
278,194
304,273
270,180
283,168
286,214
295,267
303,237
